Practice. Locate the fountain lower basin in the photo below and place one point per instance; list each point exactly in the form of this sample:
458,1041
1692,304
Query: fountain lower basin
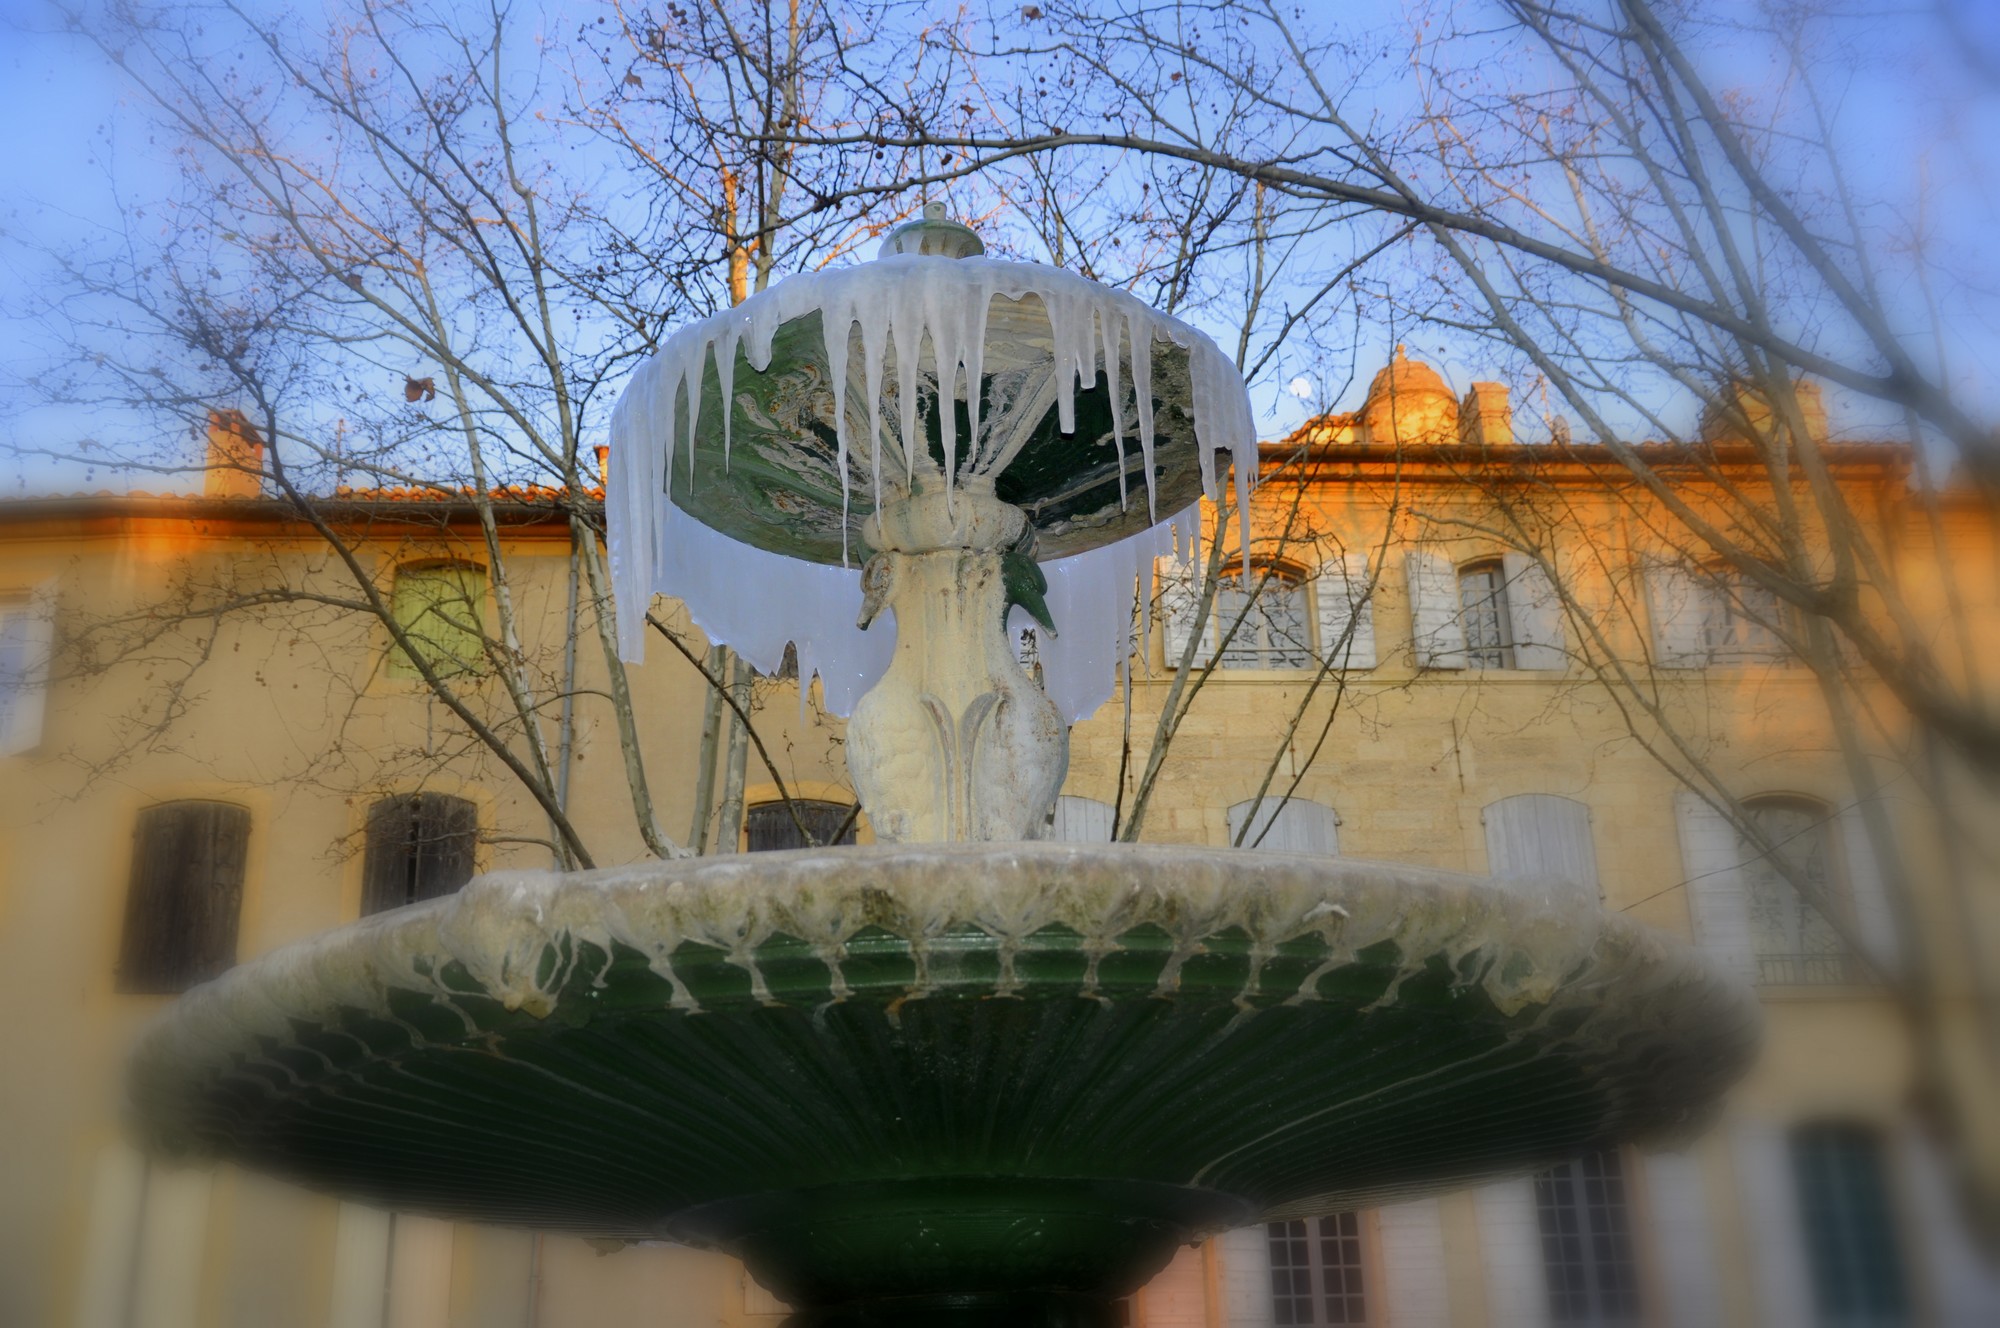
990,1082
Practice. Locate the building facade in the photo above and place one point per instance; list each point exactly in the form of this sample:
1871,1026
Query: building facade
1440,647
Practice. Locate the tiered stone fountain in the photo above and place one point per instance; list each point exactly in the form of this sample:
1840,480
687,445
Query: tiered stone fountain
959,1076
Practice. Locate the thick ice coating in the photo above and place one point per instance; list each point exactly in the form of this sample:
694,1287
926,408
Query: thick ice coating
758,601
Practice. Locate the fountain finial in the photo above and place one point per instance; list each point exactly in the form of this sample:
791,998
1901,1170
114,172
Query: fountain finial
934,234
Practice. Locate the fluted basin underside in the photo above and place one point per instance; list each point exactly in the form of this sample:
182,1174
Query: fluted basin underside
1000,1080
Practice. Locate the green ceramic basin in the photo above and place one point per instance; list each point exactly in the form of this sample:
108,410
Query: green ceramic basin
993,1083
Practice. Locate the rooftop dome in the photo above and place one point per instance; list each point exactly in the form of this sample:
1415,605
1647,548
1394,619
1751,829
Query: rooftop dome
1409,402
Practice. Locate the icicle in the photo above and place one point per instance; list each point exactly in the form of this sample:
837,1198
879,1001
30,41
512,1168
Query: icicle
837,326
1139,327
725,378
1111,325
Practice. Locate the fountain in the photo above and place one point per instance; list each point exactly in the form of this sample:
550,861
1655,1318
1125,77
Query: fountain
959,1075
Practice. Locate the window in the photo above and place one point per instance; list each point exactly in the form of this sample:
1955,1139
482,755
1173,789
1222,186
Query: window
1740,619
769,825
1316,1272
1849,1226
1274,633
1544,839
440,608
1586,1228
1792,938
1285,825
1709,615
185,895
25,633
1484,616
420,846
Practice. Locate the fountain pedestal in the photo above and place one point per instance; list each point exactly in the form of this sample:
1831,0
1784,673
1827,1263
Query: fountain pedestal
956,743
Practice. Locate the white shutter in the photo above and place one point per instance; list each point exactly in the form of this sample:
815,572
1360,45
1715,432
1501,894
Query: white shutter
420,1273
1342,598
1679,608
1435,631
1771,1212
1718,902
1297,826
167,1290
1081,821
1684,1240
1535,613
1544,840
1180,601
360,1267
1246,1277
1415,1294
1510,1245
1964,1286
1874,917
111,1241
27,641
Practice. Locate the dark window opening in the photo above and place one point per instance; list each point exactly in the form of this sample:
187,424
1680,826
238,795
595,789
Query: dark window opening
1593,1275
1486,616
1850,1228
1316,1272
769,825
185,897
420,846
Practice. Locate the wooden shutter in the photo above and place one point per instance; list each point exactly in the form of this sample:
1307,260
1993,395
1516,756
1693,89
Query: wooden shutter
768,826
1679,609
361,1242
1718,901
27,642
1543,839
1684,1241
1410,1237
1180,603
1510,1241
1535,613
185,896
420,846
1771,1212
1296,826
1344,604
1435,632
1081,821
1874,917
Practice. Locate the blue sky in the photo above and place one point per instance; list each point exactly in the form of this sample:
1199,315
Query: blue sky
1921,109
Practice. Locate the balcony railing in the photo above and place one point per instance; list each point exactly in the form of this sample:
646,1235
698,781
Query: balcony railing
1807,970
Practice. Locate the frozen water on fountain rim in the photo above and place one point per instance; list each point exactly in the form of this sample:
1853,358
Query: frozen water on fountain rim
758,601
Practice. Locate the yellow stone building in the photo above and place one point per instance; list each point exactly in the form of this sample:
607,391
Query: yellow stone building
1460,651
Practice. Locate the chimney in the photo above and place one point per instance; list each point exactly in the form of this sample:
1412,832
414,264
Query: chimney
1486,419
1720,426
235,467
603,464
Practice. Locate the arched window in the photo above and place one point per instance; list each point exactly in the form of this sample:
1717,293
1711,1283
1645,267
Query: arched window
1790,932
770,825
1285,825
440,607
1081,821
1276,631
185,897
420,846
1485,615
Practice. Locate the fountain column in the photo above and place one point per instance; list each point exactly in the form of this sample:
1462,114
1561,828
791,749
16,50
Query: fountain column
956,743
